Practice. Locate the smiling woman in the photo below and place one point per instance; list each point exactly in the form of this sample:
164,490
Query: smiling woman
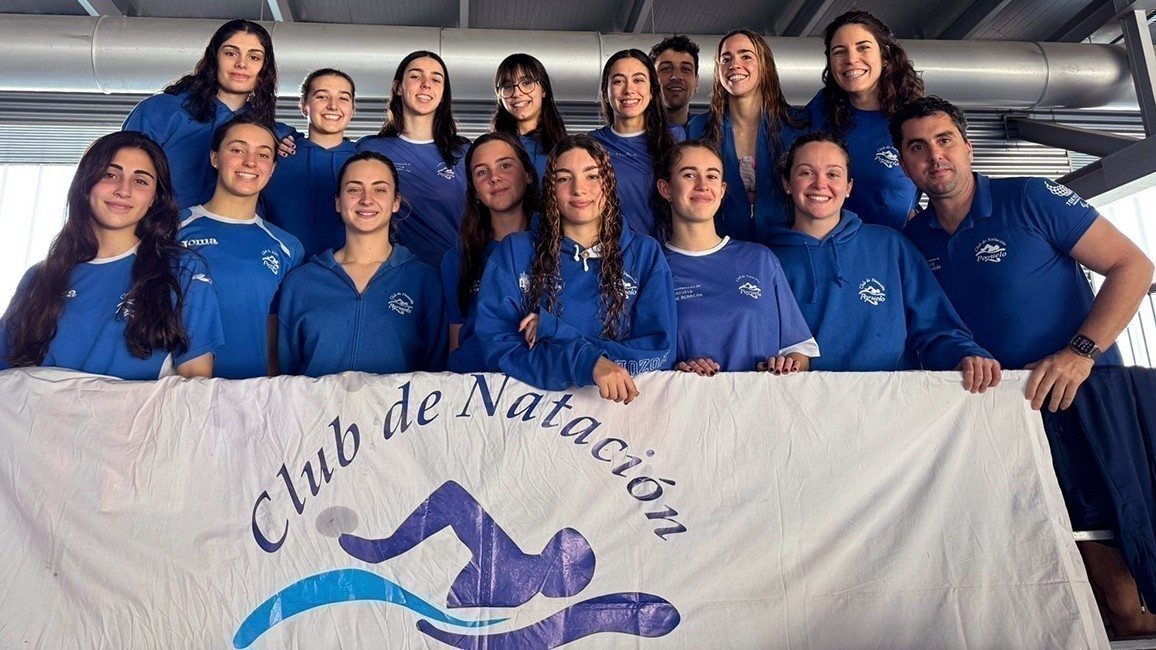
116,295
236,74
421,136
867,78
526,107
750,124
369,306
249,257
637,135
299,197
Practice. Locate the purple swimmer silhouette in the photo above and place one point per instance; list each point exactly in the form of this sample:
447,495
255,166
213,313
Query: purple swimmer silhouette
499,573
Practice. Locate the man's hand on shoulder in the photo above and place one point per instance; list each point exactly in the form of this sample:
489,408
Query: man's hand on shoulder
1060,374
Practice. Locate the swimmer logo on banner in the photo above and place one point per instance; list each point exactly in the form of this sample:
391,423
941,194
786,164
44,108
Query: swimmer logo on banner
439,511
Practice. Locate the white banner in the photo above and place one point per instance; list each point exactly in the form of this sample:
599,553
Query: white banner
434,510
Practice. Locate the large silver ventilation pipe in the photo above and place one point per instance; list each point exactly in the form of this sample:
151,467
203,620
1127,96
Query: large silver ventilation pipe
141,55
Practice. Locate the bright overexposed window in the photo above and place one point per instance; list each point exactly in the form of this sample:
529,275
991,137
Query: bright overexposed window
1135,216
32,199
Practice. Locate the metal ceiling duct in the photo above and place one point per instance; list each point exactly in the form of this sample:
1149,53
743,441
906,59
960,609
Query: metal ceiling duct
141,55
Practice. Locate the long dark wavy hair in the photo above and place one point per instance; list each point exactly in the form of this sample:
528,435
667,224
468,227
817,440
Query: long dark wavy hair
477,228
201,83
546,281
658,137
665,172
776,110
551,128
156,291
899,83
446,137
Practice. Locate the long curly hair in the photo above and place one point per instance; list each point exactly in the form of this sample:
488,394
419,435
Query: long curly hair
551,127
776,110
546,281
899,83
201,83
446,137
658,137
156,291
477,228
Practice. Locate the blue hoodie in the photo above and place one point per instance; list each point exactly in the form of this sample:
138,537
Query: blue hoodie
738,218
532,143
300,197
570,342
871,300
634,171
396,325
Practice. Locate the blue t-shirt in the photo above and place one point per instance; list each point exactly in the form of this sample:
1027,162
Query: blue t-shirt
186,142
433,194
871,301
1008,268
738,218
468,356
90,332
883,194
300,197
734,306
397,324
249,259
634,170
570,341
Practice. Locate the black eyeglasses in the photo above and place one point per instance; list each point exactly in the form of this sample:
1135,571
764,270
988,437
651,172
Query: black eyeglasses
526,85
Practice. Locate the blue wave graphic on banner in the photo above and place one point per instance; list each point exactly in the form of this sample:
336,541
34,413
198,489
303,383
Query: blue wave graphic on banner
639,614
338,586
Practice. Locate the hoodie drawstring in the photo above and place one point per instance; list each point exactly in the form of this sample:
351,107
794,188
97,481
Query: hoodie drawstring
585,255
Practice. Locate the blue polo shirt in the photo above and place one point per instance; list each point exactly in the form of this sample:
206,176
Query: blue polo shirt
1008,268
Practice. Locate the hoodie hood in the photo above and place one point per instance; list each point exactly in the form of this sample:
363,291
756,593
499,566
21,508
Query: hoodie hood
845,231
572,250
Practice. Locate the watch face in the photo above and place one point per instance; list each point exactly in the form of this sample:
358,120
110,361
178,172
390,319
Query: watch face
1083,345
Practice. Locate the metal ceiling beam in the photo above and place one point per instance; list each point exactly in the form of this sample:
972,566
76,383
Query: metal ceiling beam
1117,175
641,10
100,7
807,18
281,10
1071,138
973,19
1142,57
464,14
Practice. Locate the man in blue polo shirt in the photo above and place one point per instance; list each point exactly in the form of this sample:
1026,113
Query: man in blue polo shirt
1008,253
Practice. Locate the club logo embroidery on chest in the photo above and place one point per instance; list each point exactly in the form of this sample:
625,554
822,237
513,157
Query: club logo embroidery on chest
888,157
872,292
271,261
749,286
991,250
401,303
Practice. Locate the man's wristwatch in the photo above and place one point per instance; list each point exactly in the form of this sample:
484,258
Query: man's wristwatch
1085,347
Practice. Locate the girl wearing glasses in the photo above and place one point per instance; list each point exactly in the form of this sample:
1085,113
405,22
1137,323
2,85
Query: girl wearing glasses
637,136
526,108
421,138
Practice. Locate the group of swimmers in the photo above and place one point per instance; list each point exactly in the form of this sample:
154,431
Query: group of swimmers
529,251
